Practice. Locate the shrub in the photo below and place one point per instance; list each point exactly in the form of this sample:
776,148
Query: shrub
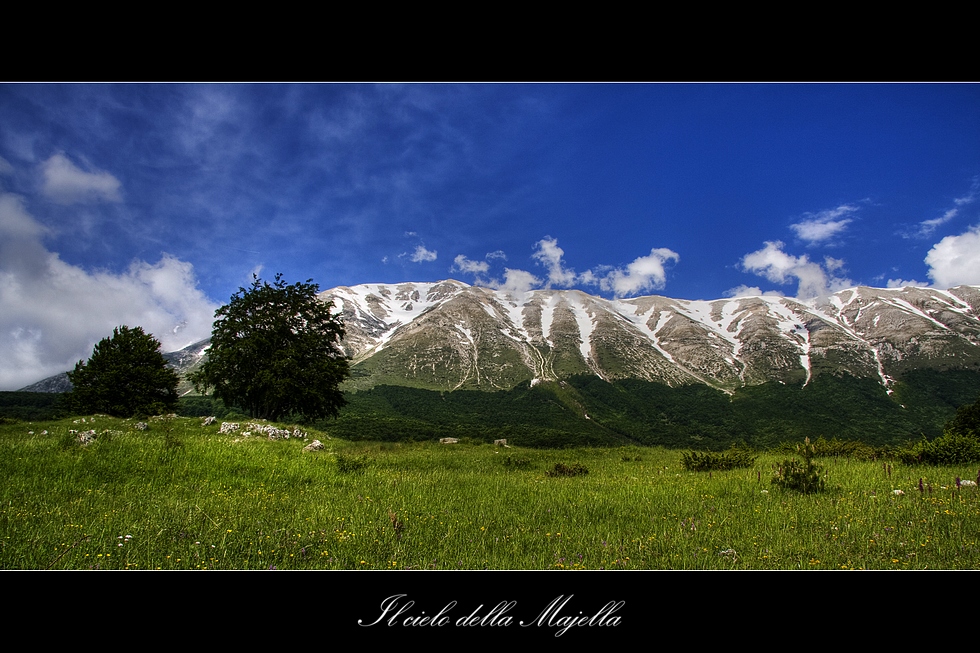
844,449
949,449
706,461
799,476
561,469
351,464
516,462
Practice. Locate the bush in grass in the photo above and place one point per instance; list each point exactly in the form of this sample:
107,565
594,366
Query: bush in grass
804,476
351,464
516,462
705,461
561,469
949,449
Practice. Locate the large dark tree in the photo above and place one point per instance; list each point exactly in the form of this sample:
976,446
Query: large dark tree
275,351
126,376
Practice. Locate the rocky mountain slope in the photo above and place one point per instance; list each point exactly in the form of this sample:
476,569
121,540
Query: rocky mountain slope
449,335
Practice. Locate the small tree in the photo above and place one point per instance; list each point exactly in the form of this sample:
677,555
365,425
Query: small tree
803,477
275,351
126,376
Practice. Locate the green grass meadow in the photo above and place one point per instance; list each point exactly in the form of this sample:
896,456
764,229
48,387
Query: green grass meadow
180,495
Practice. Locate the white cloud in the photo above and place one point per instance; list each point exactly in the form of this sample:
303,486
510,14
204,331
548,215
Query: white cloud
750,291
517,281
499,254
955,260
5,167
905,283
926,227
644,274
52,313
822,226
464,264
772,263
422,255
65,183
549,254
514,280
833,264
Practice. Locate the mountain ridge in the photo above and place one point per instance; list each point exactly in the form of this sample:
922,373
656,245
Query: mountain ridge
449,335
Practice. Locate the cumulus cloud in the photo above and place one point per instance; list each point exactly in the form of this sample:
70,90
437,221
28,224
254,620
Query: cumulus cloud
955,260
52,313
750,291
422,255
823,226
905,283
549,254
516,281
815,279
642,275
463,264
65,183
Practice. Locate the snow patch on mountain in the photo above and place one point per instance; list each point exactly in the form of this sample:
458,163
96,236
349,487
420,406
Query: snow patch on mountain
586,325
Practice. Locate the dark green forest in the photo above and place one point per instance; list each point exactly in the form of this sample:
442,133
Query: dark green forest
589,411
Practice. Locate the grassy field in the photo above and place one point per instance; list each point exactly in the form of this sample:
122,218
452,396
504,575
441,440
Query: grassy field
180,495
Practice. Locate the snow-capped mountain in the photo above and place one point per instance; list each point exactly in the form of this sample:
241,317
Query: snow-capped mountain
450,335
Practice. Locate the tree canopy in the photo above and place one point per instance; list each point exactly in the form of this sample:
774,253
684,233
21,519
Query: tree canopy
126,376
966,421
275,351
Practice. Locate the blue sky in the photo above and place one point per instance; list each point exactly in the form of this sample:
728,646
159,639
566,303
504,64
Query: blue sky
151,204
